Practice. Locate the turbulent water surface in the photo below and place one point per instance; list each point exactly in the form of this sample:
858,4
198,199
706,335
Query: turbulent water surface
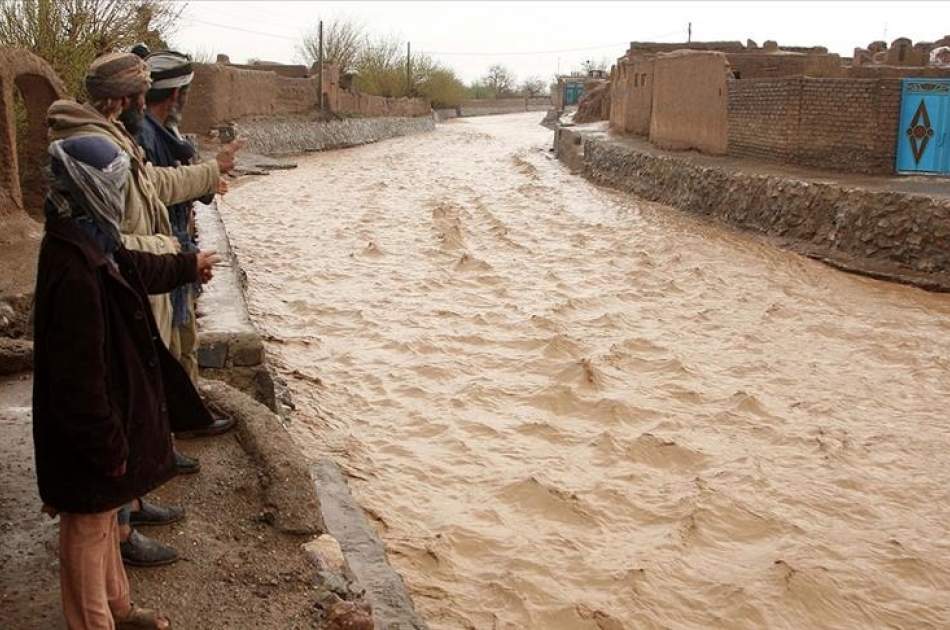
564,407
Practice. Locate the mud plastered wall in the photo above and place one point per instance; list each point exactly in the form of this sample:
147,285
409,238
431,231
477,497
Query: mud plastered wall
690,98
223,93
21,167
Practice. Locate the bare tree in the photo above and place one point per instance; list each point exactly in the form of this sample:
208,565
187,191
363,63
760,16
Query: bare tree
69,34
343,41
533,86
499,80
381,66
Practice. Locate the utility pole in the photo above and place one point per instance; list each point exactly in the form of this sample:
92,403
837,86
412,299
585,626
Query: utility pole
689,33
320,67
408,69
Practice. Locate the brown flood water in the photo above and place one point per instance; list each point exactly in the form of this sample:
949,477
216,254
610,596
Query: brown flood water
567,408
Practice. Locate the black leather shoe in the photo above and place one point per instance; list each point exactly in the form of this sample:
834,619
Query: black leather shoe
185,465
142,551
219,426
154,514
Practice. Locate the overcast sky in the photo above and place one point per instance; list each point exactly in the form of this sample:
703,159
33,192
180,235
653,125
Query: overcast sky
537,38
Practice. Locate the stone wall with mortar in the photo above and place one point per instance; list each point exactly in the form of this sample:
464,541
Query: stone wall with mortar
899,236
690,99
833,123
274,136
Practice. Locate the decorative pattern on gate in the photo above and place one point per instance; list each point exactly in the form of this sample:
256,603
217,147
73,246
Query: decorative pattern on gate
920,131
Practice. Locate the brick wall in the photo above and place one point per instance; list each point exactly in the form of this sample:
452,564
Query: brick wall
764,118
831,123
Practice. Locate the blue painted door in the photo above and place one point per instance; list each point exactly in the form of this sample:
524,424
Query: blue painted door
572,93
922,138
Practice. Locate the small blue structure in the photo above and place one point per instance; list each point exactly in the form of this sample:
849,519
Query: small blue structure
922,137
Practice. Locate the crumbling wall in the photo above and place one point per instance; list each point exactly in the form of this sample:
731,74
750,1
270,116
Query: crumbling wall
755,65
833,123
633,98
21,184
690,98
595,103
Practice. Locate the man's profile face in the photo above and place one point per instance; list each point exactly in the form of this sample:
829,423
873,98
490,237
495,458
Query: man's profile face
133,112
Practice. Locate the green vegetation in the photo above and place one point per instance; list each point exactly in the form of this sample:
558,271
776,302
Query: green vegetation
378,63
69,34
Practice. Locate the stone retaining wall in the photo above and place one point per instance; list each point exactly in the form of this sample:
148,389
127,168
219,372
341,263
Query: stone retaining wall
284,136
894,235
494,106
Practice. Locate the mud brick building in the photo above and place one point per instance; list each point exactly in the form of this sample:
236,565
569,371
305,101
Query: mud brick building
801,106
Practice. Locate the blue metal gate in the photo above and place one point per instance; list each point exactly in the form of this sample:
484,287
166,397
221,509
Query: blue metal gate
924,126
572,93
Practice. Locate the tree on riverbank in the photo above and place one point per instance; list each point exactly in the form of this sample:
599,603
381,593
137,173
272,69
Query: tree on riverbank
69,35
379,63
343,40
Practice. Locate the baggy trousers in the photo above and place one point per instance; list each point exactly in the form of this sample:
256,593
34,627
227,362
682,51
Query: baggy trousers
93,582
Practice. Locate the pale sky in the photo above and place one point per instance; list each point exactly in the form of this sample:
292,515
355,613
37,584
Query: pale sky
537,38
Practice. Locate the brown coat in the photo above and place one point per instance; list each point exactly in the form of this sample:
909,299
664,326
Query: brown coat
105,389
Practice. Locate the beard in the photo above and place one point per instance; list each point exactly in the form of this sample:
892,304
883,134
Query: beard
132,119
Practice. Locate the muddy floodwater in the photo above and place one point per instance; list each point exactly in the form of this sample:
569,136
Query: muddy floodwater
566,408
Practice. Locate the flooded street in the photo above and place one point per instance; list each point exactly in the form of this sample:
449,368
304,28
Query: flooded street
565,408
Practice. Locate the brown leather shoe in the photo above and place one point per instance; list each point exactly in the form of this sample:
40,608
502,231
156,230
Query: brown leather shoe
219,426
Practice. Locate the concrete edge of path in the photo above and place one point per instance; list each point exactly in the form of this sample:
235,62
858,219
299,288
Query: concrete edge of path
364,551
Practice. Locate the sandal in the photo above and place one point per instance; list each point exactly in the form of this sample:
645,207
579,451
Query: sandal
144,618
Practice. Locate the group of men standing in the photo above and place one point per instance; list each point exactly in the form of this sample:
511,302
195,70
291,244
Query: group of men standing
115,325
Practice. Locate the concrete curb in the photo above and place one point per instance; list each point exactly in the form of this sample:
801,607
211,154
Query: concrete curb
365,553
285,479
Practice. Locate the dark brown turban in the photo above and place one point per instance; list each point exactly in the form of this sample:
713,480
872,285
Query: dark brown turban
115,75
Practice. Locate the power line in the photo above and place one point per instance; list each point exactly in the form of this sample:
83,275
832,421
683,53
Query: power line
447,52
243,30
525,52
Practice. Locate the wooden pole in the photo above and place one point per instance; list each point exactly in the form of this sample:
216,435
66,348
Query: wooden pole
408,69
320,66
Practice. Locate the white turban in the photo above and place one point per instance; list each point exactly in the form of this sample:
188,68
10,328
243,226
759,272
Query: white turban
169,69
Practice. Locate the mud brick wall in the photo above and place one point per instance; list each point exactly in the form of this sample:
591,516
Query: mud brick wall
631,98
831,123
849,124
756,65
21,168
222,93
764,118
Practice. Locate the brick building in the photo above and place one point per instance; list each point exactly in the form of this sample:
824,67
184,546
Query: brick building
802,106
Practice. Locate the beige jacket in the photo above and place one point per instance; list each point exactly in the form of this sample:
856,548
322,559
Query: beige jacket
146,226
